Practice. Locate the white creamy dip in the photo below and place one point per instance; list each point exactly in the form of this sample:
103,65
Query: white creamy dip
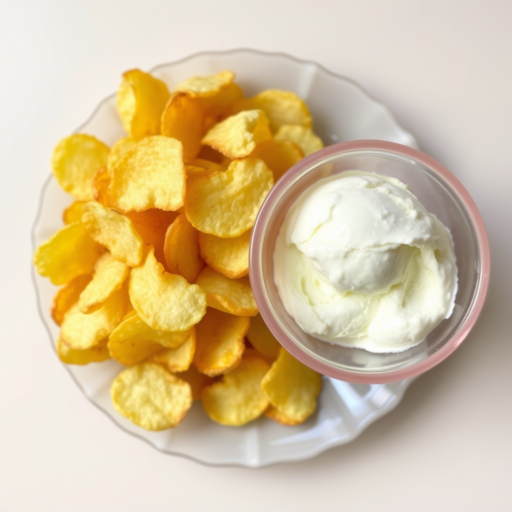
360,262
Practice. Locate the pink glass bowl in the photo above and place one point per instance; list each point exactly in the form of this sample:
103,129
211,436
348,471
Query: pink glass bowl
441,193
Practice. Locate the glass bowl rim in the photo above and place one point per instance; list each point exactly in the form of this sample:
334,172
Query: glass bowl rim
474,308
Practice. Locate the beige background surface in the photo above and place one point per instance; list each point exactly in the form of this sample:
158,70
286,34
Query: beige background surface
444,68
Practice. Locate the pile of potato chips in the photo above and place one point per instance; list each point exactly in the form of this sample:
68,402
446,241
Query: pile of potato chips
154,254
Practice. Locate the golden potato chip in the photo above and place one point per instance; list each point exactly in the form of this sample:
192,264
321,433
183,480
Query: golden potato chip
229,256
237,398
133,340
194,171
219,342
183,119
141,99
67,296
120,147
75,160
149,175
109,275
197,380
80,331
180,358
226,203
218,106
229,295
113,230
207,165
302,136
205,86
96,354
100,183
292,388
166,302
237,135
278,155
73,213
280,107
67,254
181,249
151,397
262,339
277,415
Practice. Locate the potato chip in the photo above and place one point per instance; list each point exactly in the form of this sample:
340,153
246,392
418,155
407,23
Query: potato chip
180,358
181,249
292,387
278,416
75,160
151,397
141,99
197,380
133,340
226,203
229,295
150,175
67,254
73,213
80,331
280,107
302,136
262,339
109,276
120,147
219,342
113,230
194,171
237,135
218,106
96,354
183,119
67,296
166,302
152,225
278,155
229,256
207,165
205,86
237,398
100,183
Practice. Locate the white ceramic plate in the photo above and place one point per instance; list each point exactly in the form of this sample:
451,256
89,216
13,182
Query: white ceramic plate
342,111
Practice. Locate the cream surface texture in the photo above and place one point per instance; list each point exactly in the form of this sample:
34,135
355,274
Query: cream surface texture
359,261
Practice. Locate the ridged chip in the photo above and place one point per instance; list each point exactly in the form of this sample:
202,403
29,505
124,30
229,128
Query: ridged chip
141,99
181,249
237,135
183,119
281,107
206,86
68,253
75,160
302,136
113,230
80,331
120,147
166,302
292,388
151,397
262,339
226,203
237,399
229,295
197,380
219,342
279,155
229,256
73,213
180,358
151,174
67,296
109,275
96,354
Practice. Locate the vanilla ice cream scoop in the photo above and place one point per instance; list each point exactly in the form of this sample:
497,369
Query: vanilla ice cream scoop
359,261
